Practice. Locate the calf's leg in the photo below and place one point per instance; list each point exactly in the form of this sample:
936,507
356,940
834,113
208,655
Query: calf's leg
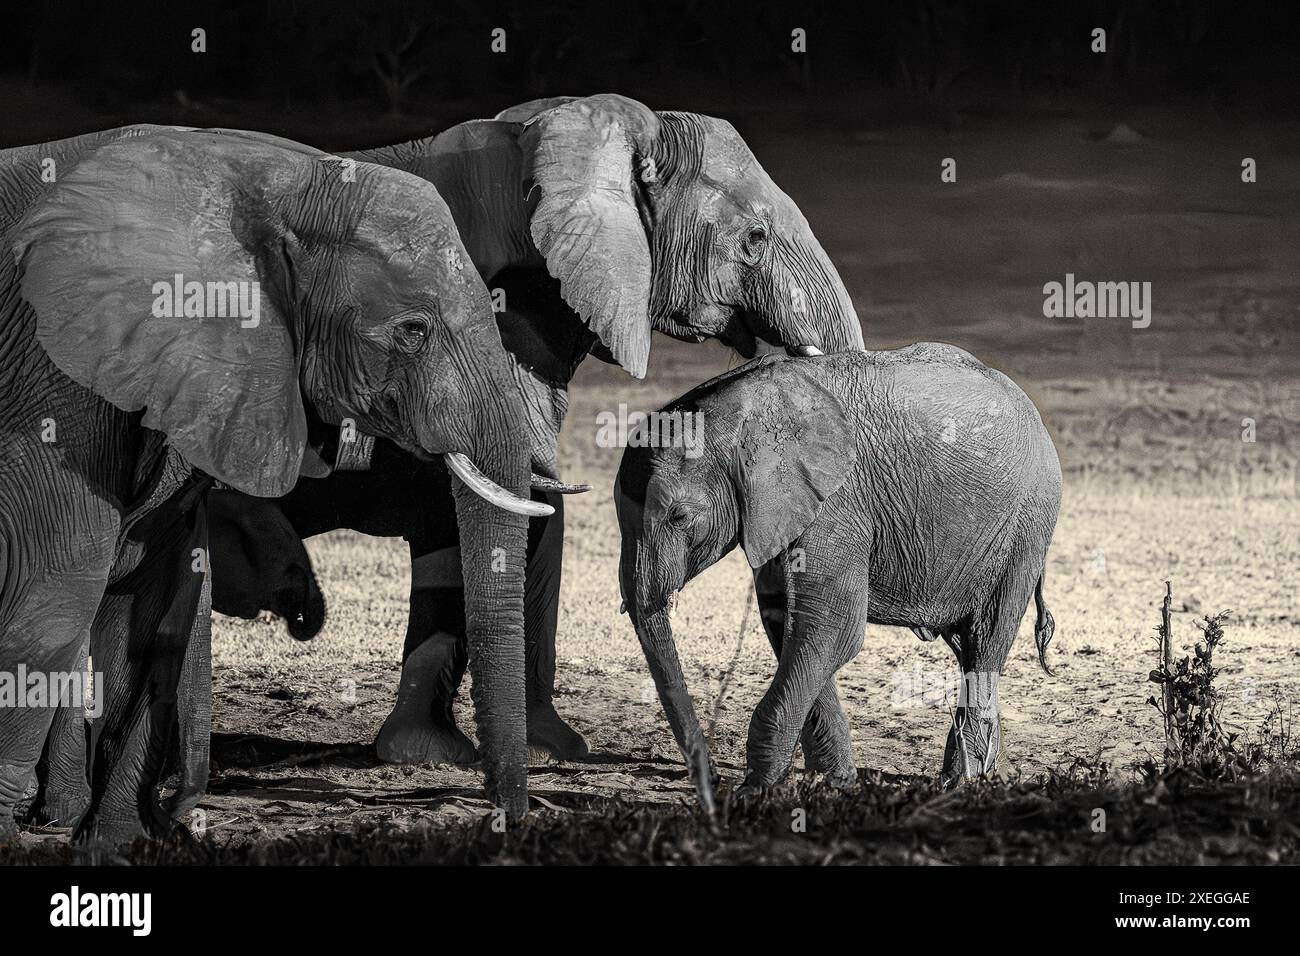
827,743
828,614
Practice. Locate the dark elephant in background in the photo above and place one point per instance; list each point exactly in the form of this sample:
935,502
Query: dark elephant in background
119,407
915,488
601,221
264,565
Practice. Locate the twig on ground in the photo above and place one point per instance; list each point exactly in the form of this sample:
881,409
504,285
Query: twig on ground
730,671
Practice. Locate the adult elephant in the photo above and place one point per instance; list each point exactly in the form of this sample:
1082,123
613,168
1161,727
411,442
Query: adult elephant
596,221
176,307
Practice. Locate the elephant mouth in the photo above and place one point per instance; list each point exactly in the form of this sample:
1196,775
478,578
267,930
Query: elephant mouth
487,489
473,478
745,330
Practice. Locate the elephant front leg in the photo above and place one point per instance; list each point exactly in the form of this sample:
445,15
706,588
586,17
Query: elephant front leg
63,788
547,730
827,743
828,609
421,727
194,711
140,642
44,640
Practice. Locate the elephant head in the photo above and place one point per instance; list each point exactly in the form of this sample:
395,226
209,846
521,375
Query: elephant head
666,221
264,564
650,221
225,286
764,470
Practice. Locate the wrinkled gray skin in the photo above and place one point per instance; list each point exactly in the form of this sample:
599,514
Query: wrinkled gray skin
115,420
602,221
914,488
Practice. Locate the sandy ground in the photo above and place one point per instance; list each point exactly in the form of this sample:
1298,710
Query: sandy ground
1158,482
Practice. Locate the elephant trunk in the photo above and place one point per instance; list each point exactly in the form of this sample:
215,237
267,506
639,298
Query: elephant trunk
306,621
845,333
492,545
490,469
655,633
827,306
804,305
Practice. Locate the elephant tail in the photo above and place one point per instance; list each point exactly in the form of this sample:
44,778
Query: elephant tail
1044,625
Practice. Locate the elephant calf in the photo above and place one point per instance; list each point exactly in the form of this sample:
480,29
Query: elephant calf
914,487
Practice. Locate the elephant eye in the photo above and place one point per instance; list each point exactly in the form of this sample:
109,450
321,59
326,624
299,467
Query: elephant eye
678,515
413,332
757,236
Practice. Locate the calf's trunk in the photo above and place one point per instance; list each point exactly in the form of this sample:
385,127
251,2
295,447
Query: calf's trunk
656,636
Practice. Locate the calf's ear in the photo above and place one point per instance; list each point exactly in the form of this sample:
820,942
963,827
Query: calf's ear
790,457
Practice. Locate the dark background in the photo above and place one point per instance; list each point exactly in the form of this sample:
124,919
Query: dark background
1117,166
342,73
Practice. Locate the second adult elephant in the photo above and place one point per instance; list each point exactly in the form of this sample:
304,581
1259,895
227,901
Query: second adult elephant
597,222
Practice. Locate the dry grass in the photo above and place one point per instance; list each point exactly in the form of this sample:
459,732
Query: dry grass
1075,816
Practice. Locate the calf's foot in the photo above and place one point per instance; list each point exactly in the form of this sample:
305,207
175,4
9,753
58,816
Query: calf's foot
972,748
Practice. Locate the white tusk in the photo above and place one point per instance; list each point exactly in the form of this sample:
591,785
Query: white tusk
807,350
490,491
542,483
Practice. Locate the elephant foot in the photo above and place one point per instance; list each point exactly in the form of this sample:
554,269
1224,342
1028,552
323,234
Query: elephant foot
107,834
114,830
60,810
972,748
837,769
410,738
844,778
550,737
748,793
17,787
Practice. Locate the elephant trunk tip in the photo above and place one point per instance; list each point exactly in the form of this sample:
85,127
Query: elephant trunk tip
703,774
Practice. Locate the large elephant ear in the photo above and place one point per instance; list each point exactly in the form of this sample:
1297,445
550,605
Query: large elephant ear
582,156
100,258
791,455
